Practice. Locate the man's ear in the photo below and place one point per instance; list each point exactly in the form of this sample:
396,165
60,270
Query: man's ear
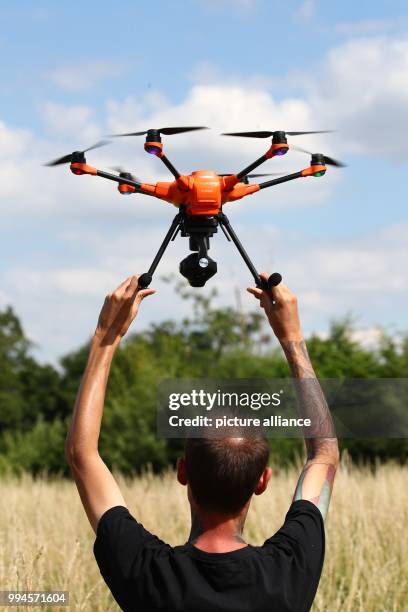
263,481
181,471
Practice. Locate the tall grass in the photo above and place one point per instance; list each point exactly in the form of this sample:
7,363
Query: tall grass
46,542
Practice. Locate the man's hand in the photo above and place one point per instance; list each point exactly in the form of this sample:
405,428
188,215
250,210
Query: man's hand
119,310
280,306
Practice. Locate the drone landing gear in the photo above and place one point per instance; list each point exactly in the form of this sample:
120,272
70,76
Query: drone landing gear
146,278
274,278
198,267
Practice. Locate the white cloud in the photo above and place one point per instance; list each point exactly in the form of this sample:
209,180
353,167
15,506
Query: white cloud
224,107
4,299
84,74
368,337
370,264
207,73
362,89
14,143
67,121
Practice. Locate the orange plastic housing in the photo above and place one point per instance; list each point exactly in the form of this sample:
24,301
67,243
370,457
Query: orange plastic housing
312,169
157,145
274,148
126,188
202,193
82,169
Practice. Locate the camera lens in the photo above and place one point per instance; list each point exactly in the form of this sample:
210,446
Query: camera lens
198,270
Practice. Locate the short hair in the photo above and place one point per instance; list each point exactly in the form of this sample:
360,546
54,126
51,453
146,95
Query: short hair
223,472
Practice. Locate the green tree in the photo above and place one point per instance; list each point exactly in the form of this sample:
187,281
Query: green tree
36,401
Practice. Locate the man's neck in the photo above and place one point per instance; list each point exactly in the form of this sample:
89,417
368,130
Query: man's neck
217,533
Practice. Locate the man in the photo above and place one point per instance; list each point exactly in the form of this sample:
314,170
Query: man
216,569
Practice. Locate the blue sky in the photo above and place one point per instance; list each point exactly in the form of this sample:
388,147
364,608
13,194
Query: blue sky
72,73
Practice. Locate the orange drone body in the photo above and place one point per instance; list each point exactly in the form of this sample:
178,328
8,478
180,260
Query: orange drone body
202,193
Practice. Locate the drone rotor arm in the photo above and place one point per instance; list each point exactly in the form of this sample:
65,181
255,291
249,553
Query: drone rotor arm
281,179
255,164
275,149
312,170
169,165
80,168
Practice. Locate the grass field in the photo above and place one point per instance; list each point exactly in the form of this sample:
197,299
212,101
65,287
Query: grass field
46,543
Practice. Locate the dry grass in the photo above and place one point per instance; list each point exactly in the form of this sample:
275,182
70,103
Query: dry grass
46,543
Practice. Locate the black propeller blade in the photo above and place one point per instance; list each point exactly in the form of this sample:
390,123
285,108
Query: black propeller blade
329,161
245,179
256,175
121,171
267,174
168,131
263,134
66,159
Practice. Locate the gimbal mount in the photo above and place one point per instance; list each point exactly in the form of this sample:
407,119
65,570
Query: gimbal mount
198,267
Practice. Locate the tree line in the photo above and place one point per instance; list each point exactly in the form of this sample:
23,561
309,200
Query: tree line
36,400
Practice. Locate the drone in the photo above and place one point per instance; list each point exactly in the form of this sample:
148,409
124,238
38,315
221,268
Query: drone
200,197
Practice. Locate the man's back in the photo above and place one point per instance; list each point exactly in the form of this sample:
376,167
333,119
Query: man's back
144,573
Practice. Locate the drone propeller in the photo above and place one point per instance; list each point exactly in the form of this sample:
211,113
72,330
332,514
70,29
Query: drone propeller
122,172
245,179
67,159
329,161
267,174
168,131
263,134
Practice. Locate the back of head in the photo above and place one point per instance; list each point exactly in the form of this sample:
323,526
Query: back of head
223,472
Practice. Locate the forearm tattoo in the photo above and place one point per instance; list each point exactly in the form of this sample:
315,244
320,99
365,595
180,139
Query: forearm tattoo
311,401
315,484
316,480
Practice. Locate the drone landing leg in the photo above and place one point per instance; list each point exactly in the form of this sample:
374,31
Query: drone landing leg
146,278
274,278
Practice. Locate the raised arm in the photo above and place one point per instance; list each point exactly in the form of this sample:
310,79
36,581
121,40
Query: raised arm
96,486
316,479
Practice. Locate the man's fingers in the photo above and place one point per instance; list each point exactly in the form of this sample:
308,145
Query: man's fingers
279,292
128,289
120,290
255,291
145,292
132,287
140,295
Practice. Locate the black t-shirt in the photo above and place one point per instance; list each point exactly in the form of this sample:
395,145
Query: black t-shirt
145,574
